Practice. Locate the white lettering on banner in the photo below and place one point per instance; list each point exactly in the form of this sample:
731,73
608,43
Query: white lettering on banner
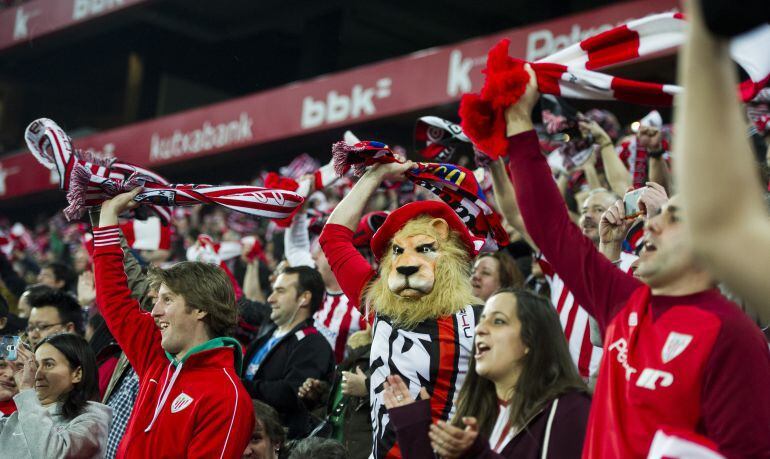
207,137
3,174
649,378
340,107
621,346
542,43
107,151
85,8
21,26
459,76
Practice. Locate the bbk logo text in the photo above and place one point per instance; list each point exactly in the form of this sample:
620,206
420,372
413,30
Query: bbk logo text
338,107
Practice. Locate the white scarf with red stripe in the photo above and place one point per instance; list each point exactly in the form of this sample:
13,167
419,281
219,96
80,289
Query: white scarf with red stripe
89,181
571,72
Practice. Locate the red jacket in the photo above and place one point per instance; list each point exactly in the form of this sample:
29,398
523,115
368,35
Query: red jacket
692,362
195,408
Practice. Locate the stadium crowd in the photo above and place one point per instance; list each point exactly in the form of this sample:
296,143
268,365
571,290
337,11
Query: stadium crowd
374,323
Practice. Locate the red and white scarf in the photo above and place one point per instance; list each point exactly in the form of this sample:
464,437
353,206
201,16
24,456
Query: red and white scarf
572,72
89,181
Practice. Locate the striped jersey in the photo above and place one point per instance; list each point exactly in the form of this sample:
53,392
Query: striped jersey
337,319
434,355
502,432
574,319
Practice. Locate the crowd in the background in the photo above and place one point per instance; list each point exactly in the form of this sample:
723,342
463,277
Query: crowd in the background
596,329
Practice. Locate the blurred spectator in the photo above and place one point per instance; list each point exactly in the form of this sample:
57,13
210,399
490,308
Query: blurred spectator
53,311
347,413
105,348
268,437
57,275
493,271
289,349
318,448
7,388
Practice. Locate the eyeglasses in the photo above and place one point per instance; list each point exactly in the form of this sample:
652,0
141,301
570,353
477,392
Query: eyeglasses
40,328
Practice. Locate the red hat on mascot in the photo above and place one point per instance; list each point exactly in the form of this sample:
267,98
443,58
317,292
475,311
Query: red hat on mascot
436,209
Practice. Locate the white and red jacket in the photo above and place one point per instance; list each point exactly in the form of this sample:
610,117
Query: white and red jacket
693,362
195,407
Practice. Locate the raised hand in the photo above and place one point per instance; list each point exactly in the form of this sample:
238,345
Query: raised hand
613,226
652,199
395,393
354,383
111,208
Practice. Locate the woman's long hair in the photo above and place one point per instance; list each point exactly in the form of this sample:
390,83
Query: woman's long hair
78,354
547,370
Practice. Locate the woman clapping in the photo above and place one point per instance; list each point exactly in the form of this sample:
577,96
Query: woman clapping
522,397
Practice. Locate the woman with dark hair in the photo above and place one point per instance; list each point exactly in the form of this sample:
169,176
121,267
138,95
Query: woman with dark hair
493,271
56,416
268,436
522,396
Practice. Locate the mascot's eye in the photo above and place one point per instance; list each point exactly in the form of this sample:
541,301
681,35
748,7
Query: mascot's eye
397,250
426,249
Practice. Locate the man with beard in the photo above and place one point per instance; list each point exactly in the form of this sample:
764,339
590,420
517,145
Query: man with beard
423,330
675,350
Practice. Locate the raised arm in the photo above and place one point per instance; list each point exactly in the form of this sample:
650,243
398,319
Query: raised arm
596,284
615,171
350,268
505,196
134,329
718,178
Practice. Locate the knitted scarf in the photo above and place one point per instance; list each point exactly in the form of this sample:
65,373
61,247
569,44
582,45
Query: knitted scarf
89,181
455,185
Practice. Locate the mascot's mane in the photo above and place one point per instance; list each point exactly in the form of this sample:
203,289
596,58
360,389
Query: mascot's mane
451,289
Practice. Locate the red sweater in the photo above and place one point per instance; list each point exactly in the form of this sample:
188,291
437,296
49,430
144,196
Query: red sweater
196,408
693,362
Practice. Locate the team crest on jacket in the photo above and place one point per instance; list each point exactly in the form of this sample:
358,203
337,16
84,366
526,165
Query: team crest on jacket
181,402
675,344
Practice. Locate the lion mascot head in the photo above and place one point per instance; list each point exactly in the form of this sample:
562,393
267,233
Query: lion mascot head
425,254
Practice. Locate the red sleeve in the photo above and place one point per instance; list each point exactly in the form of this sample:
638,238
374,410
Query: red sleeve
735,406
596,283
134,329
350,268
412,423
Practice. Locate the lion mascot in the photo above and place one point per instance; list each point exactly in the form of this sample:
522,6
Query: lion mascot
421,294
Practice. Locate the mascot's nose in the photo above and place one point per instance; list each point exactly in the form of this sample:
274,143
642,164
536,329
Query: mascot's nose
407,271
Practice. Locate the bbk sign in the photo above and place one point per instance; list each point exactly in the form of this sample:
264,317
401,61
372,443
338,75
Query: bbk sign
337,107
85,8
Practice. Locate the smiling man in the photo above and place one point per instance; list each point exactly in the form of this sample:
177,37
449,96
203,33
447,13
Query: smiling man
190,402
677,354
289,348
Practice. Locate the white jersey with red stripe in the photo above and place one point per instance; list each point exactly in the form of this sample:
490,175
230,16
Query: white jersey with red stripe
574,319
502,432
337,319
434,354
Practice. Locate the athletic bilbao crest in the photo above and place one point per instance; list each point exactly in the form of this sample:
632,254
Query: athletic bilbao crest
676,343
181,402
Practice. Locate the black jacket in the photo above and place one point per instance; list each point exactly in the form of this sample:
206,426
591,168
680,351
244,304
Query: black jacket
302,353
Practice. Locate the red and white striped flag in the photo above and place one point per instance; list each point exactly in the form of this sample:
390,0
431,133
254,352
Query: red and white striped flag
89,181
150,234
